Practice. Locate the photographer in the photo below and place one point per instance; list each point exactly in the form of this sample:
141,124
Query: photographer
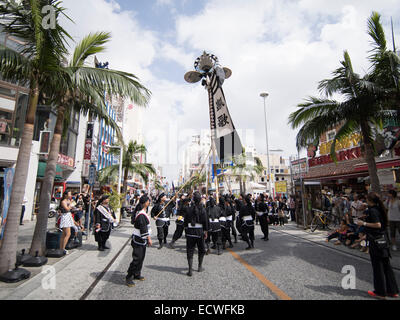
375,224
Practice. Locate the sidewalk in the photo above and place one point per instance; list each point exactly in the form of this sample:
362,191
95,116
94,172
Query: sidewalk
319,237
75,272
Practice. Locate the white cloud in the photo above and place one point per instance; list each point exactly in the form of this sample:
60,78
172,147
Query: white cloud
282,47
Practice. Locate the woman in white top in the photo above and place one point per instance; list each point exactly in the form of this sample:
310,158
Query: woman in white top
66,222
393,205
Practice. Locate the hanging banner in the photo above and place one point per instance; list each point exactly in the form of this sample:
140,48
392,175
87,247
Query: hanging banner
228,143
8,180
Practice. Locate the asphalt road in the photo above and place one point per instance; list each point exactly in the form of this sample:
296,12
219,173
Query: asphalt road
286,267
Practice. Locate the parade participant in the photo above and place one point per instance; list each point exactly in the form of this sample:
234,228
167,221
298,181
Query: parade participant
262,214
226,222
140,238
183,205
103,220
196,226
162,221
239,204
215,233
248,215
233,221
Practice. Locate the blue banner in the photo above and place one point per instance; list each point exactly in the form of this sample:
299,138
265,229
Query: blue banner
8,180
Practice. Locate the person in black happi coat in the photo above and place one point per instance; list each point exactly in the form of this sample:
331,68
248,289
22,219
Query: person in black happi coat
239,204
196,226
233,209
262,213
162,221
183,205
140,239
226,220
215,233
104,218
247,215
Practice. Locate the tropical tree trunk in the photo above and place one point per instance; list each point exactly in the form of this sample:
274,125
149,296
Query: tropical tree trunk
39,236
370,159
10,239
240,185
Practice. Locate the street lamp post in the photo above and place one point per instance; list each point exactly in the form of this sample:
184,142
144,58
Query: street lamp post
264,96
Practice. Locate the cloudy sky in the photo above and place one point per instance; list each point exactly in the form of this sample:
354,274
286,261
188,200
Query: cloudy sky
283,47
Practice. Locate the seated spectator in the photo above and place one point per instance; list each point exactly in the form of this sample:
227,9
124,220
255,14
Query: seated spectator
340,233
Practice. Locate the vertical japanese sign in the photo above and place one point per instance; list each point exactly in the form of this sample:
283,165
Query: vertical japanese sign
227,140
8,180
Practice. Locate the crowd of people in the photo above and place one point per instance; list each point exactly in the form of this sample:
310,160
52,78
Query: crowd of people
214,224
351,209
76,217
211,224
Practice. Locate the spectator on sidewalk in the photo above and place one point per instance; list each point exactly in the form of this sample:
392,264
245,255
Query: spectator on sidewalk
339,233
66,221
375,225
393,206
292,208
21,219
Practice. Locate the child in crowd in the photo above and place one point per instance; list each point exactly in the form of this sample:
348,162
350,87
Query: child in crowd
339,233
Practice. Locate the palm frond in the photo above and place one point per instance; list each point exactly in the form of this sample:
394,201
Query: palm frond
90,45
114,83
313,107
376,32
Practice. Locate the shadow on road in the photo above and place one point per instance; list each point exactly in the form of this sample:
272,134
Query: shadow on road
338,291
168,269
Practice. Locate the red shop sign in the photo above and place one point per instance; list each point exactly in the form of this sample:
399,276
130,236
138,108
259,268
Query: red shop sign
343,155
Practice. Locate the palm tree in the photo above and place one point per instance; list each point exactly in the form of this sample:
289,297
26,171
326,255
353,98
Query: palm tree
385,63
82,87
245,171
36,65
360,111
130,164
158,185
197,180
367,101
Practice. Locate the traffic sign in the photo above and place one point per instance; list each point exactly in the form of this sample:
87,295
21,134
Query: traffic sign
92,174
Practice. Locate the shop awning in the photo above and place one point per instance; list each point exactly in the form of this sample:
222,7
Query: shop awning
42,170
336,170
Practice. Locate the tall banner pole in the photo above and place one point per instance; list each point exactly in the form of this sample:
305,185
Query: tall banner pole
225,141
